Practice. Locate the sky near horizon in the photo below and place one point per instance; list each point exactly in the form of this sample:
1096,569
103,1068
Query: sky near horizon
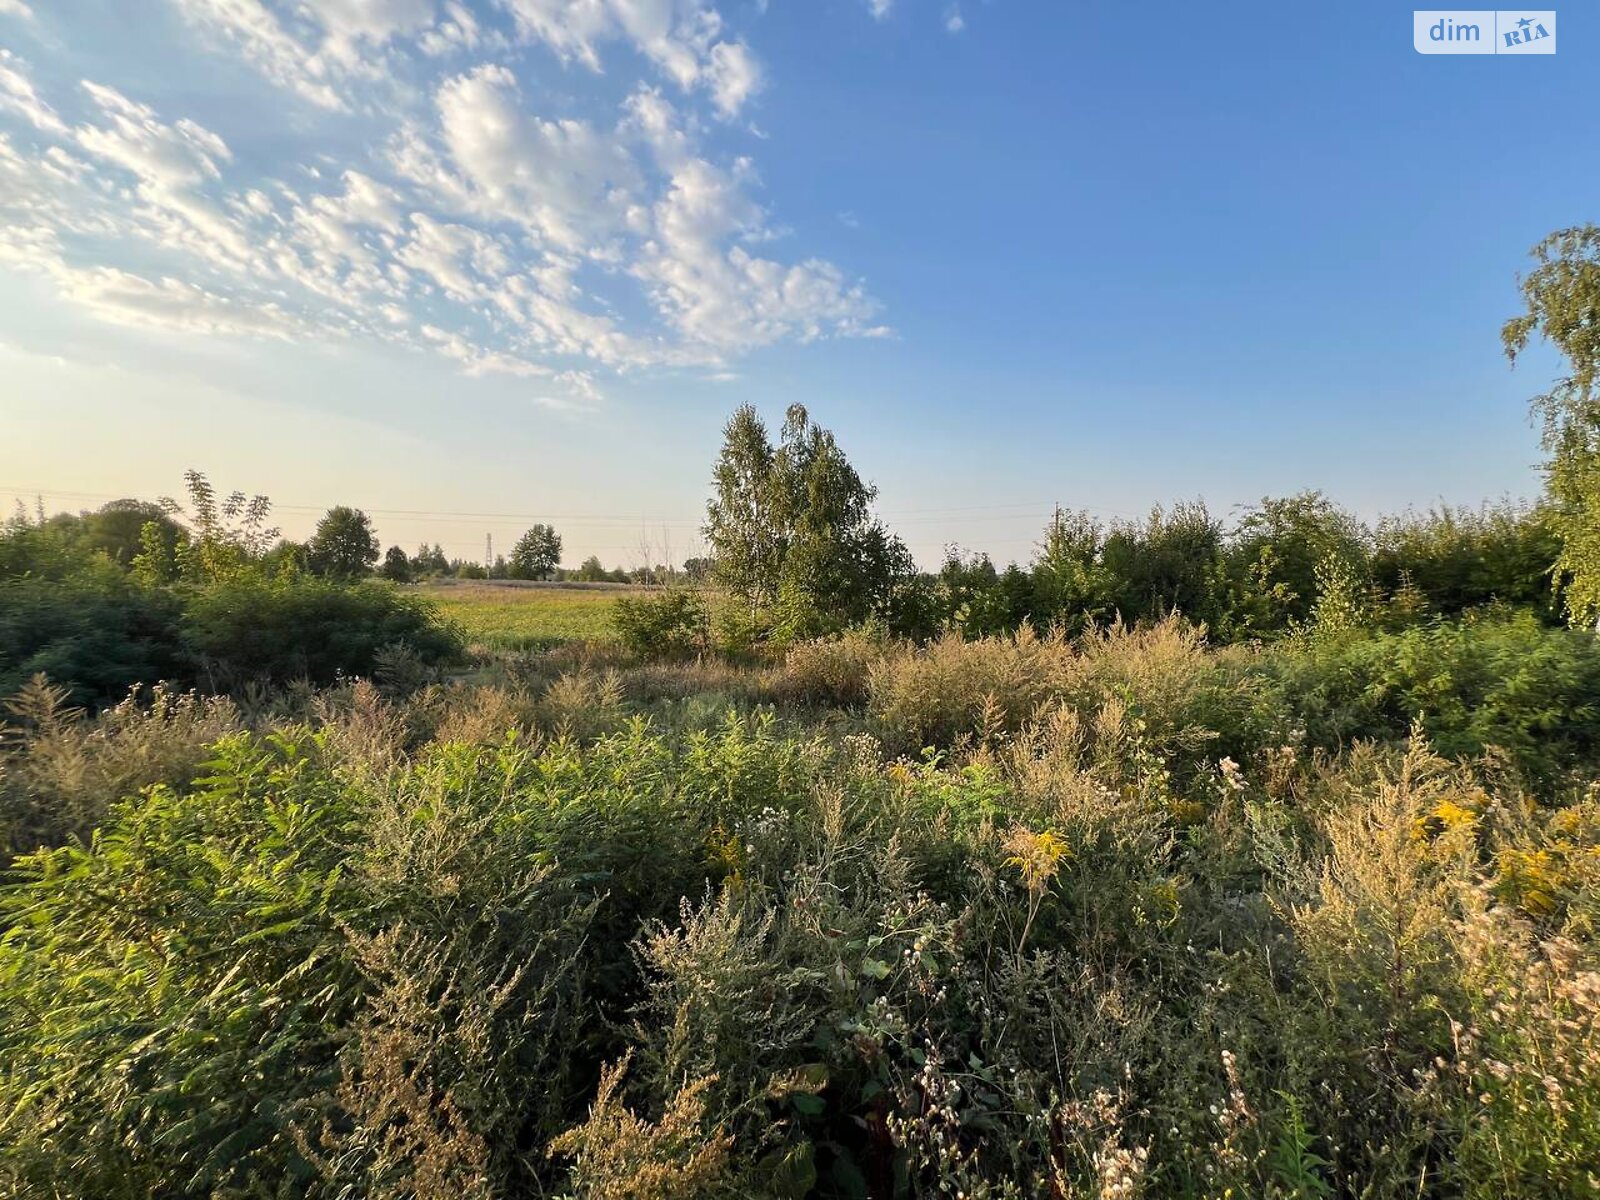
470,263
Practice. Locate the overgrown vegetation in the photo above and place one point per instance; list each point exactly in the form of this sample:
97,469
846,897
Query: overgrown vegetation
204,596
1027,916
1185,862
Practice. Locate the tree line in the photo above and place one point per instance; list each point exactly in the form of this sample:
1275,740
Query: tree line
794,539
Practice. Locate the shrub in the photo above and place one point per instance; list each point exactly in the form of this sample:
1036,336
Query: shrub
671,624
1460,558
248,628
60,771
949,689
583,704
833,670
95,634
1498,680
1193,705
1521,1094
1074,952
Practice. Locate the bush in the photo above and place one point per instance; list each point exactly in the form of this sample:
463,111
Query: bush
1498,680
251,629
671,624
949,689
583,704
96,633
832,671
61,771
1191,705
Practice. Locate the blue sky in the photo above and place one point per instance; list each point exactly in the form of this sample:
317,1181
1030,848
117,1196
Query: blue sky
465,265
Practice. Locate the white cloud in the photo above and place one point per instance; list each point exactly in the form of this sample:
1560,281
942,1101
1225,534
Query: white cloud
457,30
15,8
725,297
259,35
351,22
733,76
323,49
17,95
566,181
880,9
954,22
124,298
549,244
479,361
683,38
171,304
460,259
172,165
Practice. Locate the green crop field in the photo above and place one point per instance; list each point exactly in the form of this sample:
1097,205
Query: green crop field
503,616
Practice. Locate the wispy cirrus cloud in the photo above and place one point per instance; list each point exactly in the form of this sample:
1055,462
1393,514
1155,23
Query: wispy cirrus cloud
557,241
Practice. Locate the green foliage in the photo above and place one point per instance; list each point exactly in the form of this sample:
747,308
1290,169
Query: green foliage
214,602
1461,558
1297,1168
1072,585
96,632
1498,681
424,951
248,629
123,529
396,566
1563,306
343,546
537,553
1278,550
743,523
224,538
61,772
64,544
672,623
1259,580
1167,563
592,570
429,561
792,532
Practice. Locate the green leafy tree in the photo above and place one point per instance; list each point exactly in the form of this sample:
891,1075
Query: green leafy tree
117,529
396,566
429,560
1169,562
791,530
1276,552
1071,587
592,570
343,546
1563,307
743,521
156,562
537,554
287,559
1459,558
226,537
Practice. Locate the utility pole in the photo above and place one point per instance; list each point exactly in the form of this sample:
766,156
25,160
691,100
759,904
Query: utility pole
488,552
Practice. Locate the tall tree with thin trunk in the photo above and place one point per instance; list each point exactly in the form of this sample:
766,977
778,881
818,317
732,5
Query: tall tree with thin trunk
743,523
1563,297
791,529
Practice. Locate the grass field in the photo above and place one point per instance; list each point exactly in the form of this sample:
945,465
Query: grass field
503,616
